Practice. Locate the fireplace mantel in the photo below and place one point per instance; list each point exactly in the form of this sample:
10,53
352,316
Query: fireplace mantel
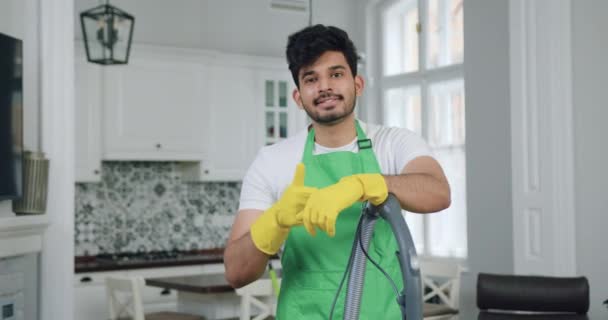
22,234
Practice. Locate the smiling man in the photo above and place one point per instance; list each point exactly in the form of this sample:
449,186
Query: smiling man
340,162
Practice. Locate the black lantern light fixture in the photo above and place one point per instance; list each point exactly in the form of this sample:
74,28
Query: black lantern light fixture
107,33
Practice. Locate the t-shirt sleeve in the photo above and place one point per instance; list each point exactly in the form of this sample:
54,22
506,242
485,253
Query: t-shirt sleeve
256,190
407,146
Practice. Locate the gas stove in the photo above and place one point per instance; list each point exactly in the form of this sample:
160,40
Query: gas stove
127,258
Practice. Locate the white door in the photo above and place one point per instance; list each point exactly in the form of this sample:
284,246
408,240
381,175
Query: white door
542,134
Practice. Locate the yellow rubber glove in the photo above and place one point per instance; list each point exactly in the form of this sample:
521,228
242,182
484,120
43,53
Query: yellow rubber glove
270,230
374,187
324,205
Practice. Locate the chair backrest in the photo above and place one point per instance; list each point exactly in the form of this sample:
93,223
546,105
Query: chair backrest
441,279
518,293
259,294
124,297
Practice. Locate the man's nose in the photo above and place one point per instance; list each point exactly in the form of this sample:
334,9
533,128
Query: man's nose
324,84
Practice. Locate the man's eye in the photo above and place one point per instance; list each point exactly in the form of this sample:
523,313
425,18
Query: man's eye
337,75
310,80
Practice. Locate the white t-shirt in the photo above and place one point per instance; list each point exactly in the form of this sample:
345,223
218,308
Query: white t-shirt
274,166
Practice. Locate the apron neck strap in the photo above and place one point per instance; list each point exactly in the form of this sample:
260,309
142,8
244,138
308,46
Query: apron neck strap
362,141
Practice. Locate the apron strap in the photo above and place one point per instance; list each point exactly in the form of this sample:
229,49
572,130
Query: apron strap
366,152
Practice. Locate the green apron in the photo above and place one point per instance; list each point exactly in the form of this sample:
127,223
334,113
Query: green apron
313,266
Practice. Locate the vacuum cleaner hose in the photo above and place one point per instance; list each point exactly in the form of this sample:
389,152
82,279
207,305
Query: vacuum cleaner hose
354,289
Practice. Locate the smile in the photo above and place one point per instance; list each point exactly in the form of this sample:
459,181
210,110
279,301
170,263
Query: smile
327,102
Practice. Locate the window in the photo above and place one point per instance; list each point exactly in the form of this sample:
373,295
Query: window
422,88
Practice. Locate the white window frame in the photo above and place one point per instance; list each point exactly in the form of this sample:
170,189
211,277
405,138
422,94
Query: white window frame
423,77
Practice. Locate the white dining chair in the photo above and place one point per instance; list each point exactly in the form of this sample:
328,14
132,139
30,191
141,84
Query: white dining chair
125,301
440,281
261,295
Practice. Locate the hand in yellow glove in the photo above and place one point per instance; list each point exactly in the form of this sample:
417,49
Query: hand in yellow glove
270,230
324,205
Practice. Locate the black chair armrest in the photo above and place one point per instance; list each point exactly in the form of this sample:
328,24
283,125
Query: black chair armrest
506,316
532,293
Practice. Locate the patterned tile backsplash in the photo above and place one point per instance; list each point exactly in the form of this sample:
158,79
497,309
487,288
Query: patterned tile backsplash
145,206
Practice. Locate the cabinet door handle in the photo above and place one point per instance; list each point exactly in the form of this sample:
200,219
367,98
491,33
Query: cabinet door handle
207,171
158,146
96,171
165,292
86,279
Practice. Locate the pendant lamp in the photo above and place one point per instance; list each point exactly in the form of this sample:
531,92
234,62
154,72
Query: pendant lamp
107,33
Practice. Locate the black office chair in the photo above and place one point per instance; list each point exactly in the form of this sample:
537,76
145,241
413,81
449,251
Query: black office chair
511,297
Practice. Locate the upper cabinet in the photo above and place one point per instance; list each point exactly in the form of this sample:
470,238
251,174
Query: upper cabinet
209,111
281,115
246,115
155,109
88,100
231,142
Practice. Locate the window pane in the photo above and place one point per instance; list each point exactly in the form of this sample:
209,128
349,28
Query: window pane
282,125
446,114
456,36
402,108
400,37
270,124
269,93
448,228
444,33
282,94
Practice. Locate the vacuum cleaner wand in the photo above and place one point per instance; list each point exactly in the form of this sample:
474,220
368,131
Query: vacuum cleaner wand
410,299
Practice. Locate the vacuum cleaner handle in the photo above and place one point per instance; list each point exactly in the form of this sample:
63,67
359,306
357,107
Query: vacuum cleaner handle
410,300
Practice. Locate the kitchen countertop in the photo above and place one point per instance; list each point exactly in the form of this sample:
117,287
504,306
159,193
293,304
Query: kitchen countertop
103,263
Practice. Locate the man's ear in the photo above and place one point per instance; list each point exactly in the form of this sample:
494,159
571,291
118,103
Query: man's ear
359,85
297,98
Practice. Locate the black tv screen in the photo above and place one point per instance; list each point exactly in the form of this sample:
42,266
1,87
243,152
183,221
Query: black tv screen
11,117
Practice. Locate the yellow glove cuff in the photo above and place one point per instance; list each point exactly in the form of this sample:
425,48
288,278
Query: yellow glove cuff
374,187
266,233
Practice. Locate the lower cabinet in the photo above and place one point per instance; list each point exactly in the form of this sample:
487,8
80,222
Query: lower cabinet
90,300
90,295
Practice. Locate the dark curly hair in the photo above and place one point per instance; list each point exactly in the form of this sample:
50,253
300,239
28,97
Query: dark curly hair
307,45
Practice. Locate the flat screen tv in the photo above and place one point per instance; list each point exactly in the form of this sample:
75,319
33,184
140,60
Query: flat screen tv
11,117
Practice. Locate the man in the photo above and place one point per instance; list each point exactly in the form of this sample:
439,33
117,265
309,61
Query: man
315,216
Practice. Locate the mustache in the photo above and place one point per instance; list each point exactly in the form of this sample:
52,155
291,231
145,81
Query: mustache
328,96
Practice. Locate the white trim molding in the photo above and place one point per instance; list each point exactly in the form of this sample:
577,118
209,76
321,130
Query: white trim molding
542,137
57,141
22,235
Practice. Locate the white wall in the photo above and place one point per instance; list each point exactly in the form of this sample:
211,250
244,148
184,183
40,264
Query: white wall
239,26
590,72
10,23
490,239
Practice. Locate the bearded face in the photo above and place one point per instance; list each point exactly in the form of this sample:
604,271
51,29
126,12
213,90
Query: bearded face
328,91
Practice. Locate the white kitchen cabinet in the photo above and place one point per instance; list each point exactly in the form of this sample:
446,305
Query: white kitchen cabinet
251,106
155,108
230,139
88,100
90,295
282,117
209,111
90,301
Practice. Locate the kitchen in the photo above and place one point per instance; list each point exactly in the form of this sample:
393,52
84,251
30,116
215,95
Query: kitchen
163,175
158,180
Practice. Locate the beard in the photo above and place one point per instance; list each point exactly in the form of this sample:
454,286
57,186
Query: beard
334,117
